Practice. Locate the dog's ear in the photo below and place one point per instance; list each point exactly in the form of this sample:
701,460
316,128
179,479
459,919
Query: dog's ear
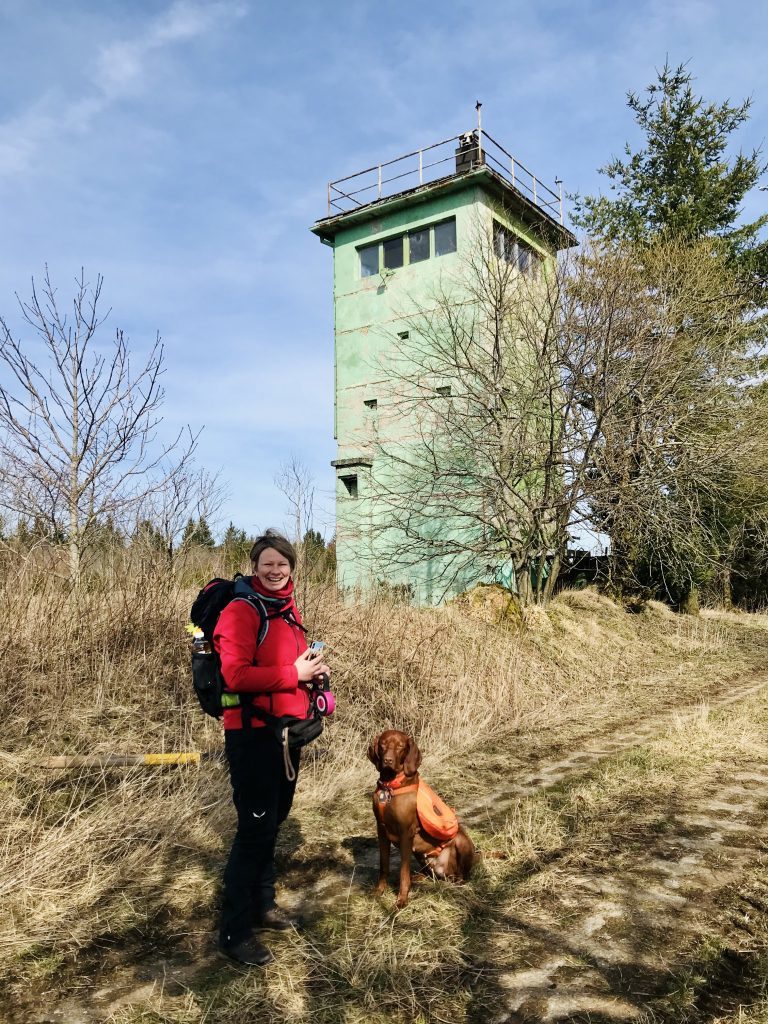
412,758
373,752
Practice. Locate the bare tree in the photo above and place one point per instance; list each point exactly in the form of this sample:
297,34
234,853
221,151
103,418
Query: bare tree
78,440
682,451
188,493
522,403
295,482
479,462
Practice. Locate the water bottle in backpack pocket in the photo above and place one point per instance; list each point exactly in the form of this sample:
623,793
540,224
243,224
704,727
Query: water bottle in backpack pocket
206,675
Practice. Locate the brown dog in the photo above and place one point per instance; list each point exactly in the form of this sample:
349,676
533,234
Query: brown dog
394,804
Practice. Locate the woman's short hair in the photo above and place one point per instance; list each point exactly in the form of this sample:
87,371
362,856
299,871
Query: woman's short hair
273,539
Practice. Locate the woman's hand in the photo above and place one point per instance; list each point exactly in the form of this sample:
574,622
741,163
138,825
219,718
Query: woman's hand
310,667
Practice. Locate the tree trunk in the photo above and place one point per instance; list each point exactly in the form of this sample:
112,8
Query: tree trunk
554,572
689,605
622,579
727,590
73,498
524,588
74,560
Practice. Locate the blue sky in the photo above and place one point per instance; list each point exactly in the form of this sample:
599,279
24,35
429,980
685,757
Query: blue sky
182,150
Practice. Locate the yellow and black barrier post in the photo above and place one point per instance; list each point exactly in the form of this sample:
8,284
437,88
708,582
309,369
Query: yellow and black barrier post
178,757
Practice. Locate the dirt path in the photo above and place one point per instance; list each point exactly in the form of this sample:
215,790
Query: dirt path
552,773
591,952
600,941
601,948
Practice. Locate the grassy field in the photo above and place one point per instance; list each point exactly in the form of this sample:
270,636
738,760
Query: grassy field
110,877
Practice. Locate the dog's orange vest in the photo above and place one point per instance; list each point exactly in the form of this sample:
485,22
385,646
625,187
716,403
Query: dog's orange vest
436,817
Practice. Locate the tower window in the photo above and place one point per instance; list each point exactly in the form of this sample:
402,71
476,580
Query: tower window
528,260
403,335
350,483
510,248
393,253
418,245
444,391
371,403
369,260
445,237
505,243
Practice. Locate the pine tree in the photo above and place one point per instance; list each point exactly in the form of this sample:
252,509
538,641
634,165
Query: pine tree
23,533
681,182
198,533
188,537
235,546
147,535
317,559
203,535
105,535
234,537
313,545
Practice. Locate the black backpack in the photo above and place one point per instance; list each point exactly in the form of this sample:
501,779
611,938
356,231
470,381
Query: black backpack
207,679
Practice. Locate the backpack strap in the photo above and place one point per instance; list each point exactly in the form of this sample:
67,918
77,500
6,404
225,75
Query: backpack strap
261,611
244,592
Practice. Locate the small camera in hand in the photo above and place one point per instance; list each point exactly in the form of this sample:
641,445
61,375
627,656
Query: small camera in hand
322,697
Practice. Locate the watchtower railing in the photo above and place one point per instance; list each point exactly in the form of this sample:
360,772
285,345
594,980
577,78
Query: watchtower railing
438,161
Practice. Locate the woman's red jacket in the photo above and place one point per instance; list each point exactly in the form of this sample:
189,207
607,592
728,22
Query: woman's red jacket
265,670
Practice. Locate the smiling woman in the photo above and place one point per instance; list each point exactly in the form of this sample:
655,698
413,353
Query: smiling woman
269,672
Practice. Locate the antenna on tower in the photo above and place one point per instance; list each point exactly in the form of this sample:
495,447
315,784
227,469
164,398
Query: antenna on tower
478,108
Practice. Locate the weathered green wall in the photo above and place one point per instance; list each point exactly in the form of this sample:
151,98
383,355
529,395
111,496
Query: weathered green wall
368,313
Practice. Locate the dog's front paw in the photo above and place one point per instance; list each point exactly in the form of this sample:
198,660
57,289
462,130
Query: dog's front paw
380,888
401,901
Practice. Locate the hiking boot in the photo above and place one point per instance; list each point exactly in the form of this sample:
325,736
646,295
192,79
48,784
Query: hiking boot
277,919
249,952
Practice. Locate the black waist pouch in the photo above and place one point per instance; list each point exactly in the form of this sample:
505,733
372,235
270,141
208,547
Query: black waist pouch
298,732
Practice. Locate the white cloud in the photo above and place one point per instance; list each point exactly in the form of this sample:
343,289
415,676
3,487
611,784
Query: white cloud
120,70
18,141
121,65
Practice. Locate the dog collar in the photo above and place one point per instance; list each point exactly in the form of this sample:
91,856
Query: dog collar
394,787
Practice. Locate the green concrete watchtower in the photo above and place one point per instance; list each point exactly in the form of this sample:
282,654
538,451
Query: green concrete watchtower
394,229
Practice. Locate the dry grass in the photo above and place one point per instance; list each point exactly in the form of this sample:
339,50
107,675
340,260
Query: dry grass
624,792
92,858
757,1014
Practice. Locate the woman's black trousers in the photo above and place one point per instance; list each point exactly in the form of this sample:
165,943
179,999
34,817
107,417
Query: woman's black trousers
263,798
